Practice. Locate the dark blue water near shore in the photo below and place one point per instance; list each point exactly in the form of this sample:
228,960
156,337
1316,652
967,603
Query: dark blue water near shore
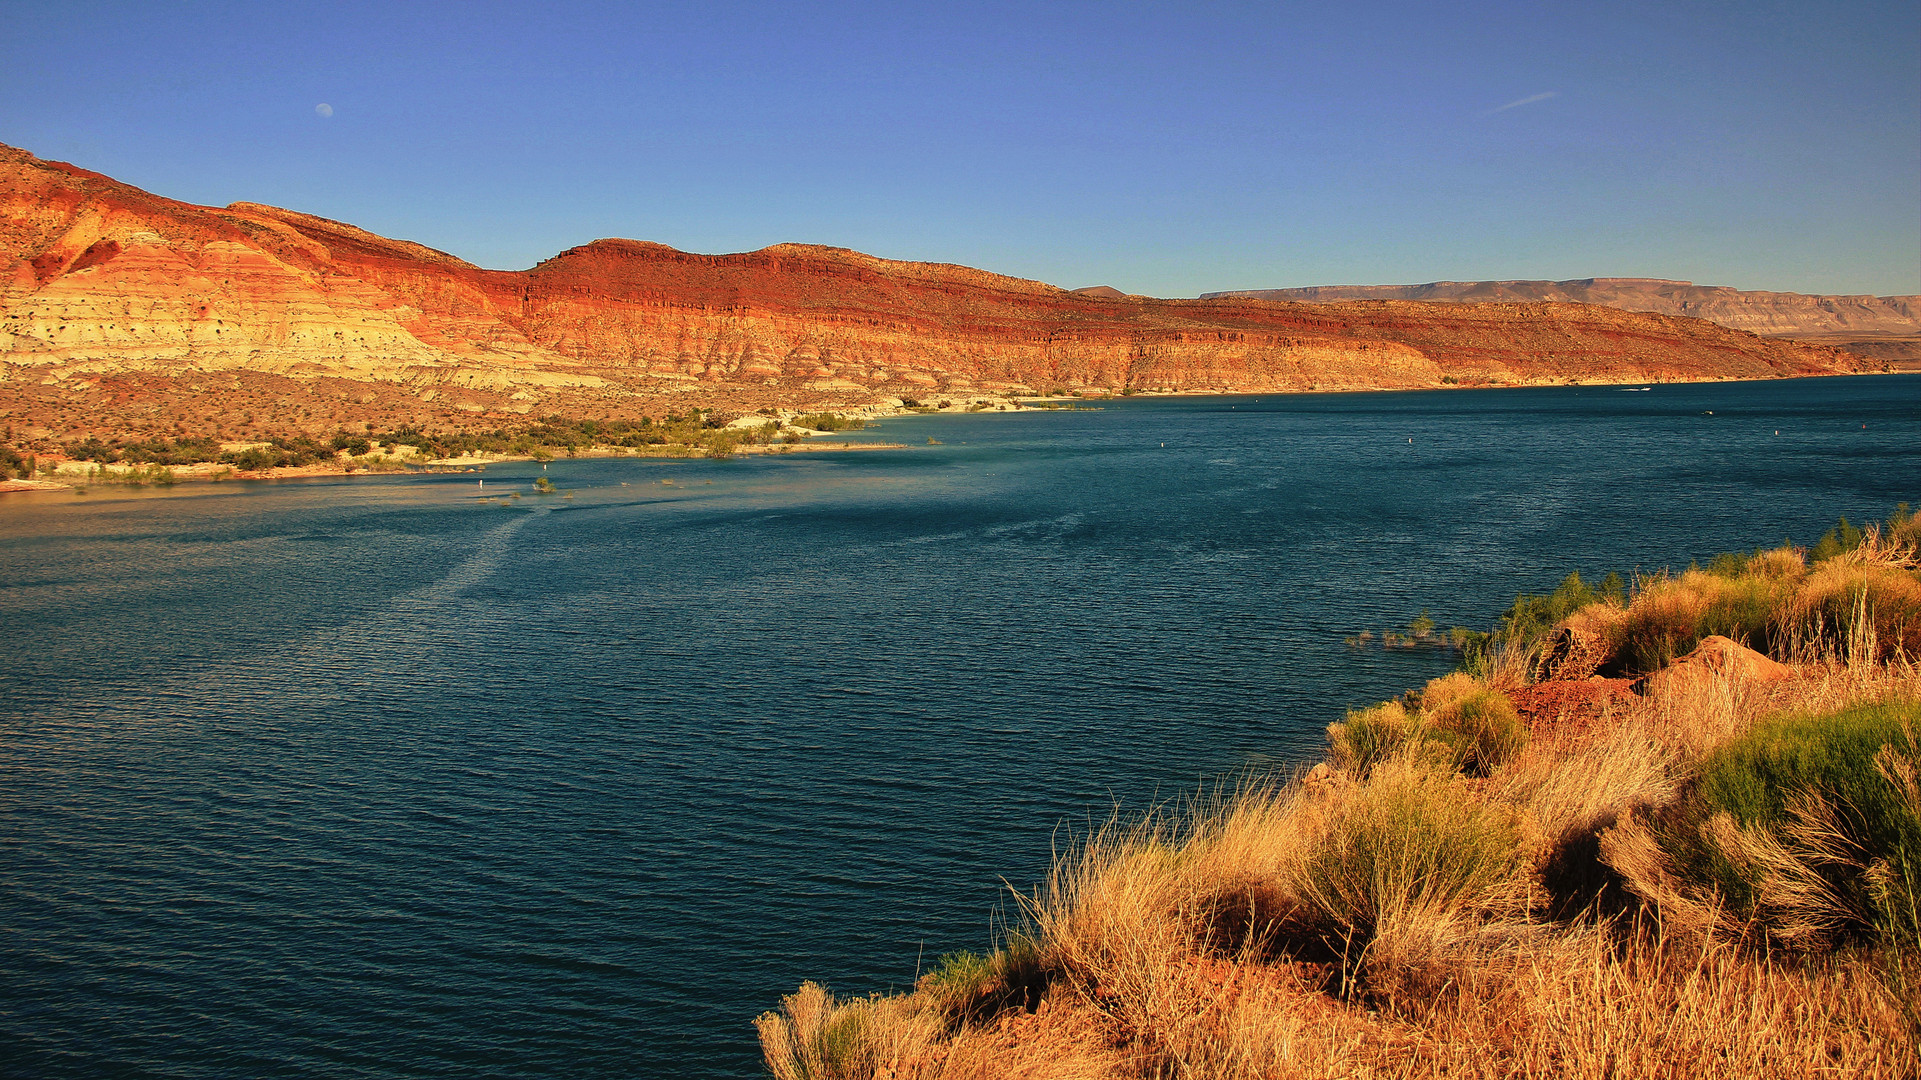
370,778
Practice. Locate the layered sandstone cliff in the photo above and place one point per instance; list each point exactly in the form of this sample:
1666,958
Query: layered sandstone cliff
117,304
1875,323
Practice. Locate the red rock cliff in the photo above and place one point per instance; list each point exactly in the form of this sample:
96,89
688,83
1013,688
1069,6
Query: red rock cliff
109,290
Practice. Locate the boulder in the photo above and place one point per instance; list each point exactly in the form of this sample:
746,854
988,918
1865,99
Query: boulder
1719,658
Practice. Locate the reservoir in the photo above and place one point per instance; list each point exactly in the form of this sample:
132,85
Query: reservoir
374,777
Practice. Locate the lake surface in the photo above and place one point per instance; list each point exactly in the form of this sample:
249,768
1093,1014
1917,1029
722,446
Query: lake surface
372,778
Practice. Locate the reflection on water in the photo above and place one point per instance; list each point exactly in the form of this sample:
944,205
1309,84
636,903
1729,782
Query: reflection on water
376,777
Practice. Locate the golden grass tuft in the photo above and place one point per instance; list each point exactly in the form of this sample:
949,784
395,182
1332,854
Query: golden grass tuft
1458,719
1857,606
1411,868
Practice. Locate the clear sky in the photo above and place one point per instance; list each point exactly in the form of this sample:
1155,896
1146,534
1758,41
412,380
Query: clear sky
1168,149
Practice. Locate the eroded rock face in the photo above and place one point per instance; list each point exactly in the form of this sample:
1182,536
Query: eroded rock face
111,296
1583,644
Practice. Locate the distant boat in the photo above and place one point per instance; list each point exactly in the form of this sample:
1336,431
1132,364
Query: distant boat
1635,389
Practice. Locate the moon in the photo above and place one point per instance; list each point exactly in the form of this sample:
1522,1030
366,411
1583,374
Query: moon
324,109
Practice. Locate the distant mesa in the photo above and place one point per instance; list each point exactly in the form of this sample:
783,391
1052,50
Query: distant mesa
1878,327
124,311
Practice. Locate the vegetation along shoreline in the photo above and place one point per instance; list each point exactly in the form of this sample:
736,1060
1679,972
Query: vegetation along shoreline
1661,827
37,461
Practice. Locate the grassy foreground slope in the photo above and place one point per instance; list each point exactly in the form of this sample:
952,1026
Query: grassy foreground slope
1626,844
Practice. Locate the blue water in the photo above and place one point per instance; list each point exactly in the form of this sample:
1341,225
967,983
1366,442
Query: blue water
370,778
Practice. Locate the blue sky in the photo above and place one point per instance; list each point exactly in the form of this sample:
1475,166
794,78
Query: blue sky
1168,149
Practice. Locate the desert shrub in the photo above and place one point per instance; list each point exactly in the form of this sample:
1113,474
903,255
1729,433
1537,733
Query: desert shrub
1806,826
1480,729
1663,622
1460,721
1844,601
1671,615
1904,527
1411,848
1786,562
815,1037
1841,539
1368,736
15,464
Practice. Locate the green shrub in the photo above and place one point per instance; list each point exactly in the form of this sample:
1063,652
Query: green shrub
252,459
1371,735
959,973
1480,730
1754,777
971,985
1728,564
15,464
1841,539
830,422
1853,761
1533,616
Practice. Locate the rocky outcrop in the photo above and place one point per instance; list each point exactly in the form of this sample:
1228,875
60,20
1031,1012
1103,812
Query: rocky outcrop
1882,327
116,302
1583,643
1716,658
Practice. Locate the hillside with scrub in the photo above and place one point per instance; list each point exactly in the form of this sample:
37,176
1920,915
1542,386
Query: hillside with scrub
1666,828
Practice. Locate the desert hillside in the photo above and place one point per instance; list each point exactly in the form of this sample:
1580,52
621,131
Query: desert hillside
123,311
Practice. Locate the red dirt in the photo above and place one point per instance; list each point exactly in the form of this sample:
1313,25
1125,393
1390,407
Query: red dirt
1568,705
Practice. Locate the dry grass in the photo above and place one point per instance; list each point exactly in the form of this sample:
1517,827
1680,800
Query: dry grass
1862,600
1393,914
1457,719
1850,605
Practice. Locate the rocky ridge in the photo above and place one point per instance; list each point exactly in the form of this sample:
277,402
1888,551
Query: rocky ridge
122,310
1881,327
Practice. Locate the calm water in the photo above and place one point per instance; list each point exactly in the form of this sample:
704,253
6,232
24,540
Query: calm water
370,778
